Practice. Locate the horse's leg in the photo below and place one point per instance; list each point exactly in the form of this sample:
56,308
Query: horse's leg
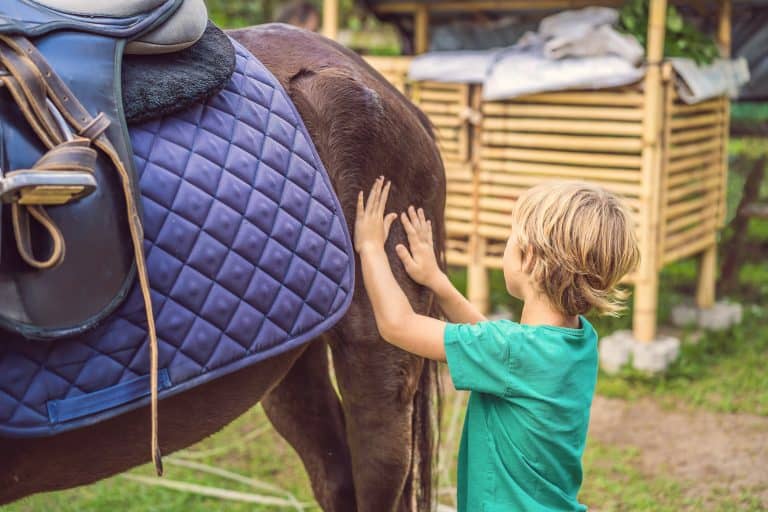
306,411
378,383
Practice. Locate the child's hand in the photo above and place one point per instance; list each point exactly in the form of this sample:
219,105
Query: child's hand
420,262
371,226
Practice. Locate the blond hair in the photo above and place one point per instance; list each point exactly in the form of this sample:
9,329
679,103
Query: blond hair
578,242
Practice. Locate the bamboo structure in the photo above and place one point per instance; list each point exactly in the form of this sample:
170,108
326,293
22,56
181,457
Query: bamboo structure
668,160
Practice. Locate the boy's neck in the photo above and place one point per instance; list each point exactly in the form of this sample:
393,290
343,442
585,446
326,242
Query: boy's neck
539,311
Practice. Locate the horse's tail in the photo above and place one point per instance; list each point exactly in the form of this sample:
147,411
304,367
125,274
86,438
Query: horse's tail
427,410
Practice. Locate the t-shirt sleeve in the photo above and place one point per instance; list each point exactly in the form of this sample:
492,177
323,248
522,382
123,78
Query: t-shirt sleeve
478,357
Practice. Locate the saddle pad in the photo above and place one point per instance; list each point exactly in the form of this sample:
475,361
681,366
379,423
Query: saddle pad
154,86
248,256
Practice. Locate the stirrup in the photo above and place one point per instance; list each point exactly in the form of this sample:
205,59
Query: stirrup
45,187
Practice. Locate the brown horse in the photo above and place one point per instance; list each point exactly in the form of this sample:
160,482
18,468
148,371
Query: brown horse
370,450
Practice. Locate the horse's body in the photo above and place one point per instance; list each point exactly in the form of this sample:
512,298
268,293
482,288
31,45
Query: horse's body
369,451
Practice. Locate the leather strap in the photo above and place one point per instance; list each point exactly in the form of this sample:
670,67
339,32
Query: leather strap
34,81
69,156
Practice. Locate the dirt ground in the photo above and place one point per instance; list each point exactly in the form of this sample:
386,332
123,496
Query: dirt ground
702,449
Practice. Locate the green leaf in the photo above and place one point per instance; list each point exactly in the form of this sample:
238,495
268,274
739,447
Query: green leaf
674,20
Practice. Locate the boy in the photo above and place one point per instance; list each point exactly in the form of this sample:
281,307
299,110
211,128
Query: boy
531,382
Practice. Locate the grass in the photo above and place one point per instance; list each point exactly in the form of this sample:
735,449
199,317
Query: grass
247,446
613,482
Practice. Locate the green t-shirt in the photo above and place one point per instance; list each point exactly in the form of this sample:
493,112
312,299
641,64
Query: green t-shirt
528,413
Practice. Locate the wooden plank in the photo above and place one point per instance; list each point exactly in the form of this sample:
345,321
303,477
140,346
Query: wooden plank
518,178
688,122
459,202
675,209
448,145
421,29
495,219
588,173
458,213
452,87
557,126
606,144
446,121
456,173
439,95
457,259
678,223
459,189
668,99
646,291
490,204
491,231
725,124
458,228
398,64
690,235
678,253
608,99
564,157
683,109
708,146
440,108
447,132
493,261
724,28
511,109
683,136
699,173
330,18
707,185
687,163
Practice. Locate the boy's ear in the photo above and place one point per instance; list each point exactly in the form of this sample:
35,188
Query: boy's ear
528,259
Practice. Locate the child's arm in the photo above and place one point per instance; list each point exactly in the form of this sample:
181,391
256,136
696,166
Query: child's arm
395,318
421,265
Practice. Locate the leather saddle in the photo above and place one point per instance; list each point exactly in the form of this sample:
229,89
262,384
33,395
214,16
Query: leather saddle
71,236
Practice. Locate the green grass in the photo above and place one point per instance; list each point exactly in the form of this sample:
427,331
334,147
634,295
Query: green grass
613,482
722,372
267,458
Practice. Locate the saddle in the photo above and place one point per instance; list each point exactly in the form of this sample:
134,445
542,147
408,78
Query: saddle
66,160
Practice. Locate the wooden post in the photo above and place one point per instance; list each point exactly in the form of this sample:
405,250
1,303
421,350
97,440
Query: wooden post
331,18
668,81
705,289
421,29
647,285
478,288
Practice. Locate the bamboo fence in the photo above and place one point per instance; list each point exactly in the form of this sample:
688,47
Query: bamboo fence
668,160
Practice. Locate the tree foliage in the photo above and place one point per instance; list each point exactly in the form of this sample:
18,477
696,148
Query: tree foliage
683,38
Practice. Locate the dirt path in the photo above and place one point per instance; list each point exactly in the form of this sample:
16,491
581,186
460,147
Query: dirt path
703,449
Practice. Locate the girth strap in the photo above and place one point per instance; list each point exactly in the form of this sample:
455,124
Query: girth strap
36,87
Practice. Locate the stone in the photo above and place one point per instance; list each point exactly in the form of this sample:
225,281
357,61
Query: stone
655,356
621,348
614,351
719,317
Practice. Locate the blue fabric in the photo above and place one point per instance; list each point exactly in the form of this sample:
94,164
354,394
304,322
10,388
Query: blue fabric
247,250
90,403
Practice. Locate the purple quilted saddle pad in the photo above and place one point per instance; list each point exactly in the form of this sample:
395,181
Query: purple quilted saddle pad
248,256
